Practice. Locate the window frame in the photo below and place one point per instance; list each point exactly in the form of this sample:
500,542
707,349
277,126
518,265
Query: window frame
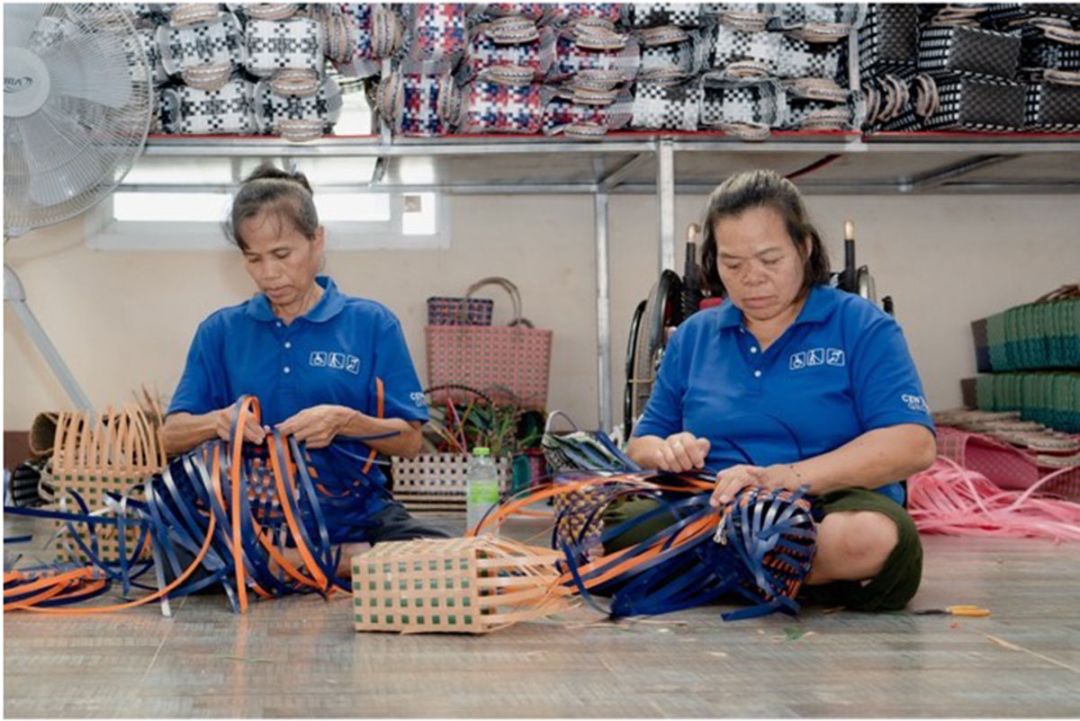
111,234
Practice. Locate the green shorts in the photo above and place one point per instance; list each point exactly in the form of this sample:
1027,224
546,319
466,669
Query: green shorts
890,590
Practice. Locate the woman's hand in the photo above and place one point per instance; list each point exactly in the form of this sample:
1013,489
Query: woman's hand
681,452
732,480
253,432
317,426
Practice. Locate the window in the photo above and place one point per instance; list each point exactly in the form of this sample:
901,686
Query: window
180,203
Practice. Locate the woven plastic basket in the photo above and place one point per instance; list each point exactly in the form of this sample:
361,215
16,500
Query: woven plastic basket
510,363
454,585
442,310
97,454
434,484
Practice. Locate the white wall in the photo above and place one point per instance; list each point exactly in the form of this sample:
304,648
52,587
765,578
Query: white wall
125,319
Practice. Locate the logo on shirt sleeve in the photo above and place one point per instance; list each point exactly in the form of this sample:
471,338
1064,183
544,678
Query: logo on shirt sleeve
318,359
337,360
352,364
418,399
915,403
815,356
834,357
798,361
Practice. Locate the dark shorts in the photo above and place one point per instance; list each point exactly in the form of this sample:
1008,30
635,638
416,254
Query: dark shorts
394,523
890,590
899,579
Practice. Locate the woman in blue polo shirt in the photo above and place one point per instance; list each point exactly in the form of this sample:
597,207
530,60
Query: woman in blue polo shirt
793,383
312,356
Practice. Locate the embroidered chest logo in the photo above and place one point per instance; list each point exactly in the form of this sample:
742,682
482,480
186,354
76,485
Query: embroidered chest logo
816,357
336,361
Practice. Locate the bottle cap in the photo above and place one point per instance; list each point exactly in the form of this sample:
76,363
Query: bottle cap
481,451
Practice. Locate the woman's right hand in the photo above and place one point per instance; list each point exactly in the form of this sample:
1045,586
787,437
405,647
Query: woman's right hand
253,432
681,452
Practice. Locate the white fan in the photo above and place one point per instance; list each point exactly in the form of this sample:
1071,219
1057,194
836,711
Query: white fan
77,106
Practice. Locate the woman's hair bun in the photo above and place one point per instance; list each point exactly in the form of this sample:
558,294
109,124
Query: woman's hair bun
268,170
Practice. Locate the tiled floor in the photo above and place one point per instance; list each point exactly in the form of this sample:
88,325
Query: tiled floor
300,657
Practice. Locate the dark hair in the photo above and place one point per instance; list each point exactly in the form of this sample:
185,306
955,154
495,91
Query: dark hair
269,188
756,189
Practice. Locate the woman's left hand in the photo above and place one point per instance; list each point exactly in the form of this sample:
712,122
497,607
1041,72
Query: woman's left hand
732,480
317,426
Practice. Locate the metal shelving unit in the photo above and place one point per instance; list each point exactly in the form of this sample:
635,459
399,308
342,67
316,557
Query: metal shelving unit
664,164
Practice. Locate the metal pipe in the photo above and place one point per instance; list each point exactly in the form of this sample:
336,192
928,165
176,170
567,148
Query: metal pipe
370,146
665,195
603,312
16,296
616,176
479,189
939,176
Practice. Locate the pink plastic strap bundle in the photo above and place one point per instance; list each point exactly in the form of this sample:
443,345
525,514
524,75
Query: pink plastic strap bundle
949,499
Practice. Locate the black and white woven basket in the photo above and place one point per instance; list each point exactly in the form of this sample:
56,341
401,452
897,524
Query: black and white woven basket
800,59
297,118
971,103
753,52
888,38
970,51
752,104
648,15
293,44
204,54
229,110
663,106
1053,107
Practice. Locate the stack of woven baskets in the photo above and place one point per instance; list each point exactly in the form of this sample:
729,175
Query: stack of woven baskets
1030,356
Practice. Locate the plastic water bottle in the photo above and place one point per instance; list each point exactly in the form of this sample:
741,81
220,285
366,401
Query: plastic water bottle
481,488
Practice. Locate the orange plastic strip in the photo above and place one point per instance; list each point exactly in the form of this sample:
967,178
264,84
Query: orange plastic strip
286,507
249,408
380,405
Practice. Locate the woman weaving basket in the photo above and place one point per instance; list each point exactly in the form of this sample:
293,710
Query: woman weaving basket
792,383
328,369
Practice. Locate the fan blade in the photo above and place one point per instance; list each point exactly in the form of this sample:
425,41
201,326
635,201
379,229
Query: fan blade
19,23
85,70
50,142
63,184
60,168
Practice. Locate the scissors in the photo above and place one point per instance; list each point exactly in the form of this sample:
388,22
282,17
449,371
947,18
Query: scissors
963,610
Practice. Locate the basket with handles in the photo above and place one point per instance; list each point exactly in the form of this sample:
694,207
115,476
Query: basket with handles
509,363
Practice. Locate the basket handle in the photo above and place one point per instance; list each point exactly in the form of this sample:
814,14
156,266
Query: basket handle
556,414
509,287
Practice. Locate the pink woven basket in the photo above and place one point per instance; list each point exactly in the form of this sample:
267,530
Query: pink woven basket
1005,466
442,310
510,364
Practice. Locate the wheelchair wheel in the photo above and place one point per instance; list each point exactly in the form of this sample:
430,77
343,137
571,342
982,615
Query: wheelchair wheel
631,345
663,309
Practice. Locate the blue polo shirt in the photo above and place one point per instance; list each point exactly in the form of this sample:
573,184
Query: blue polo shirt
841,369
332,354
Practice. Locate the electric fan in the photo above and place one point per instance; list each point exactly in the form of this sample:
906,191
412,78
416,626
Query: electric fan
77,106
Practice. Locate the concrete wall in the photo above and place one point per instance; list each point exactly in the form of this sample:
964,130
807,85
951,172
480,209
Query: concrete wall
122,319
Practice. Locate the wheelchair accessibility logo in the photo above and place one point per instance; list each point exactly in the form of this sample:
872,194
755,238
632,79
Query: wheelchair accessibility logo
816,357
337,361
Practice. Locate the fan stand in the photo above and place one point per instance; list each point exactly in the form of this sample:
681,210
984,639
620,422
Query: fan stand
16,296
